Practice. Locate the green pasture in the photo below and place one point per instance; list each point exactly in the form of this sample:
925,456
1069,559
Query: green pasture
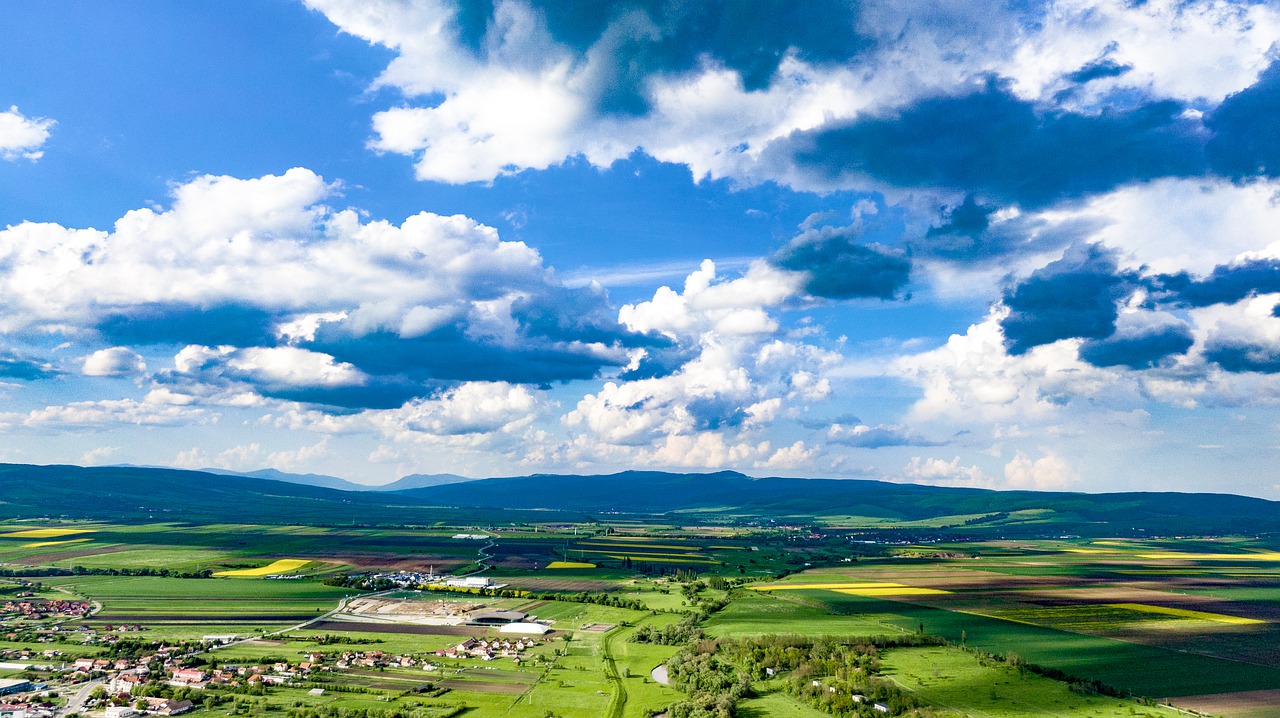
1163,673
776,705
756,613
961,682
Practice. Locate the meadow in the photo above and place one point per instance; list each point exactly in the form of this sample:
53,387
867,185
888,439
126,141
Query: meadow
1190,621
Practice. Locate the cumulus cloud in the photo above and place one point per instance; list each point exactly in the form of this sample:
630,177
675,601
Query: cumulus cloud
156,409
900,94
114,361
839,267
272,288
737,373
99,455
1050,472
939,472
21,137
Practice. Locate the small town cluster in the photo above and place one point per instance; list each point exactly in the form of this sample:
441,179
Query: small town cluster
36,610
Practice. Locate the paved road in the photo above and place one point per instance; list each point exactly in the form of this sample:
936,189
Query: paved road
75,703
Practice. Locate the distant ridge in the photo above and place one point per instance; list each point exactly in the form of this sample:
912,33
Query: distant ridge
322,480
420,481
132,493
729,492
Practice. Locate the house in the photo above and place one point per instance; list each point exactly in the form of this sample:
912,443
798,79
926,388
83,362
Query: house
173,708
880,707
120,712
9,710
125,683
13,685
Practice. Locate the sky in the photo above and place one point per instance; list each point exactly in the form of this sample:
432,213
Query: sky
1023,245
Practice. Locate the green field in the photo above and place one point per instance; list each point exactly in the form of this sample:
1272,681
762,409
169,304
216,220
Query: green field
1198,616
960,682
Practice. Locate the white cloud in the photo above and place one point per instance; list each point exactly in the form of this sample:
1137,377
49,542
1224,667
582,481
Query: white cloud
115,361
1192,225
99,455
742,373
938,472
1050,472
523,100
972,376
109,413
277,367
267,243
1188,51
304,457
21,137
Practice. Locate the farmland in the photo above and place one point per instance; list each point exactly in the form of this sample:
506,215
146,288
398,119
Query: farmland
980,627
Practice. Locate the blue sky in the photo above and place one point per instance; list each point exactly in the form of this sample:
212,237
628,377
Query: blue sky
1035,246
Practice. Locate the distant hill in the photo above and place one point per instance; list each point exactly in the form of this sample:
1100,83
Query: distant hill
412,481
328,482
141,493
733,493
420,481
134,493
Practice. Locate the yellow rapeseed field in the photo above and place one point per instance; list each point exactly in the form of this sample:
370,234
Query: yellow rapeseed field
891,591
877,588
1187,613
44,533
570,564
42,544
1175,555
281,566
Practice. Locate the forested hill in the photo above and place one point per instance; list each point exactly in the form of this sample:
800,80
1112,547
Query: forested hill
731,492
139,493
143,493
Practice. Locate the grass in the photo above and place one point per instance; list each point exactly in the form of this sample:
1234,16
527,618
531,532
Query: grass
283,565
959,681
756,614
147,557
1164,672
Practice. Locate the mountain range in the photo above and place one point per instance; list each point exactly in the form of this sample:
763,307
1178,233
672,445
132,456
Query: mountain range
147,493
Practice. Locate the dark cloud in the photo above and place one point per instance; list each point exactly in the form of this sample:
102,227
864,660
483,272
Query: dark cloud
661,361
841,268
1097,70
1227,284
14,366
1239,356
380,393
1075,296
626,41
576,315
1141,351
450,354
1245,140
1004,148
969,218
174,323
715,413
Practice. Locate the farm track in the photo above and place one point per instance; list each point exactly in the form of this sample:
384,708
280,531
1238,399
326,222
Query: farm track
618,703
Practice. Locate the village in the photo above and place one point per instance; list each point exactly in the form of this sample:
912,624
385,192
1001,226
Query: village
160,681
